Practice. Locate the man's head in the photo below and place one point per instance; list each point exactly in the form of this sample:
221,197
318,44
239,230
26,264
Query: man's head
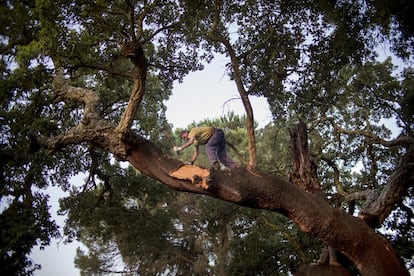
184,134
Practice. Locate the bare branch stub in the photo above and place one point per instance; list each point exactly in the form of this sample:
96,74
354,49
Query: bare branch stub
133,50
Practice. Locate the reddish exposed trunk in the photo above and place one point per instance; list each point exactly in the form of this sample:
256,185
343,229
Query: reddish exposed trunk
321,270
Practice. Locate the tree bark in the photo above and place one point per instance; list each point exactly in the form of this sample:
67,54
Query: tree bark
135,53
304,173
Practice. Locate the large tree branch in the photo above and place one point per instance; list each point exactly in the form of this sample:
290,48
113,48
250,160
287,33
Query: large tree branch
134,51
312,214
393,192
376,209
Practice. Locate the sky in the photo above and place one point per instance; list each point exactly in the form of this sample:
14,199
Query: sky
210,94
58,258
201,95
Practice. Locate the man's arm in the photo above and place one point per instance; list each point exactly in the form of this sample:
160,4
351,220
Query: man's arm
187,144
195,154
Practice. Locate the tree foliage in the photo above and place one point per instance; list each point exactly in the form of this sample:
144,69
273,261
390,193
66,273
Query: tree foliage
83,82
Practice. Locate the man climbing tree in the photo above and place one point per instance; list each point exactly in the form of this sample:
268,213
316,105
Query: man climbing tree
215,143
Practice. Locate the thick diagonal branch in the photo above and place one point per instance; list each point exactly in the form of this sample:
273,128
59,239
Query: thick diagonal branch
88,98
134,51
311,213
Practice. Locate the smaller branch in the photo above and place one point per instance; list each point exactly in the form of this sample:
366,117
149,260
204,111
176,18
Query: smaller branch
374,139
258,45
240,88
135,53
395,189
229,100
369,196
408,210
76,135
337,181
132,19
390,106
135,99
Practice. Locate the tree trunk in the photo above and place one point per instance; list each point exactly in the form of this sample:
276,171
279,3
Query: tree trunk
222,247
304,168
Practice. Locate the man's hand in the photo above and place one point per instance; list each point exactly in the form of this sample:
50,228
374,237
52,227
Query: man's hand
188,163
177,149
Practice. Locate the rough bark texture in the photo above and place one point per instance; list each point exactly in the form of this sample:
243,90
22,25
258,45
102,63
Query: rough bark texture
304,168
198,176
321,270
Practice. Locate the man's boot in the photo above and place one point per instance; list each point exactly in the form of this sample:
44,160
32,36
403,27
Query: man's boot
216,166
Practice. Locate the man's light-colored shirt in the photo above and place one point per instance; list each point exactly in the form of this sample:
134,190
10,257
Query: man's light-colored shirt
201,134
